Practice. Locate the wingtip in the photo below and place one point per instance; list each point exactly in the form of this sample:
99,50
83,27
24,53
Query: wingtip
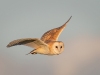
8,46
70,17
67,21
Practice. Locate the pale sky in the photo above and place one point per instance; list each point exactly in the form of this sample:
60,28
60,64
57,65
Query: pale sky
31,18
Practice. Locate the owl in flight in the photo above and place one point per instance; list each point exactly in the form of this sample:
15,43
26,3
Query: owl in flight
47,45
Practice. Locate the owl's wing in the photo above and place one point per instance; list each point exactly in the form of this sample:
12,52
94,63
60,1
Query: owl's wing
53,34
31,42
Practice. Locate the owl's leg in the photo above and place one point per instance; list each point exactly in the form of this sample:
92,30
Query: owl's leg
32,52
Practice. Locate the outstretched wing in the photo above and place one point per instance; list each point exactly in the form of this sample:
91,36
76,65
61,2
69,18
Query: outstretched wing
53,34
31,42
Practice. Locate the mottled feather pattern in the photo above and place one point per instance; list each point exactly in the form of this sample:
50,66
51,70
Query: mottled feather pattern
53,34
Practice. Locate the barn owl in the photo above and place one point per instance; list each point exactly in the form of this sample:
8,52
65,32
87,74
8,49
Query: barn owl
47,45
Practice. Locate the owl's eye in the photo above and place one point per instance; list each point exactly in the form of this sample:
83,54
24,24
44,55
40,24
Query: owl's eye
56,46
60,46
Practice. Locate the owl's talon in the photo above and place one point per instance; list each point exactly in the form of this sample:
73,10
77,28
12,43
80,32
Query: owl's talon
34,53
27,53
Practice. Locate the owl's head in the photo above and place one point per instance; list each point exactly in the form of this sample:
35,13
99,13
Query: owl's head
56,47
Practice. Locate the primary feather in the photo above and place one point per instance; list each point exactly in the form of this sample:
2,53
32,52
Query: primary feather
31,42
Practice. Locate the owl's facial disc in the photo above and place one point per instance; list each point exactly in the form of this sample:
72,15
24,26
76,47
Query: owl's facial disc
58,47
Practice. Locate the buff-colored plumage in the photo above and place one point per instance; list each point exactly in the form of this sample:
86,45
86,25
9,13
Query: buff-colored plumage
47,45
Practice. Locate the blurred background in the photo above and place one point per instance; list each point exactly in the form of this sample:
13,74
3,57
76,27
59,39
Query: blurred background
31,18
